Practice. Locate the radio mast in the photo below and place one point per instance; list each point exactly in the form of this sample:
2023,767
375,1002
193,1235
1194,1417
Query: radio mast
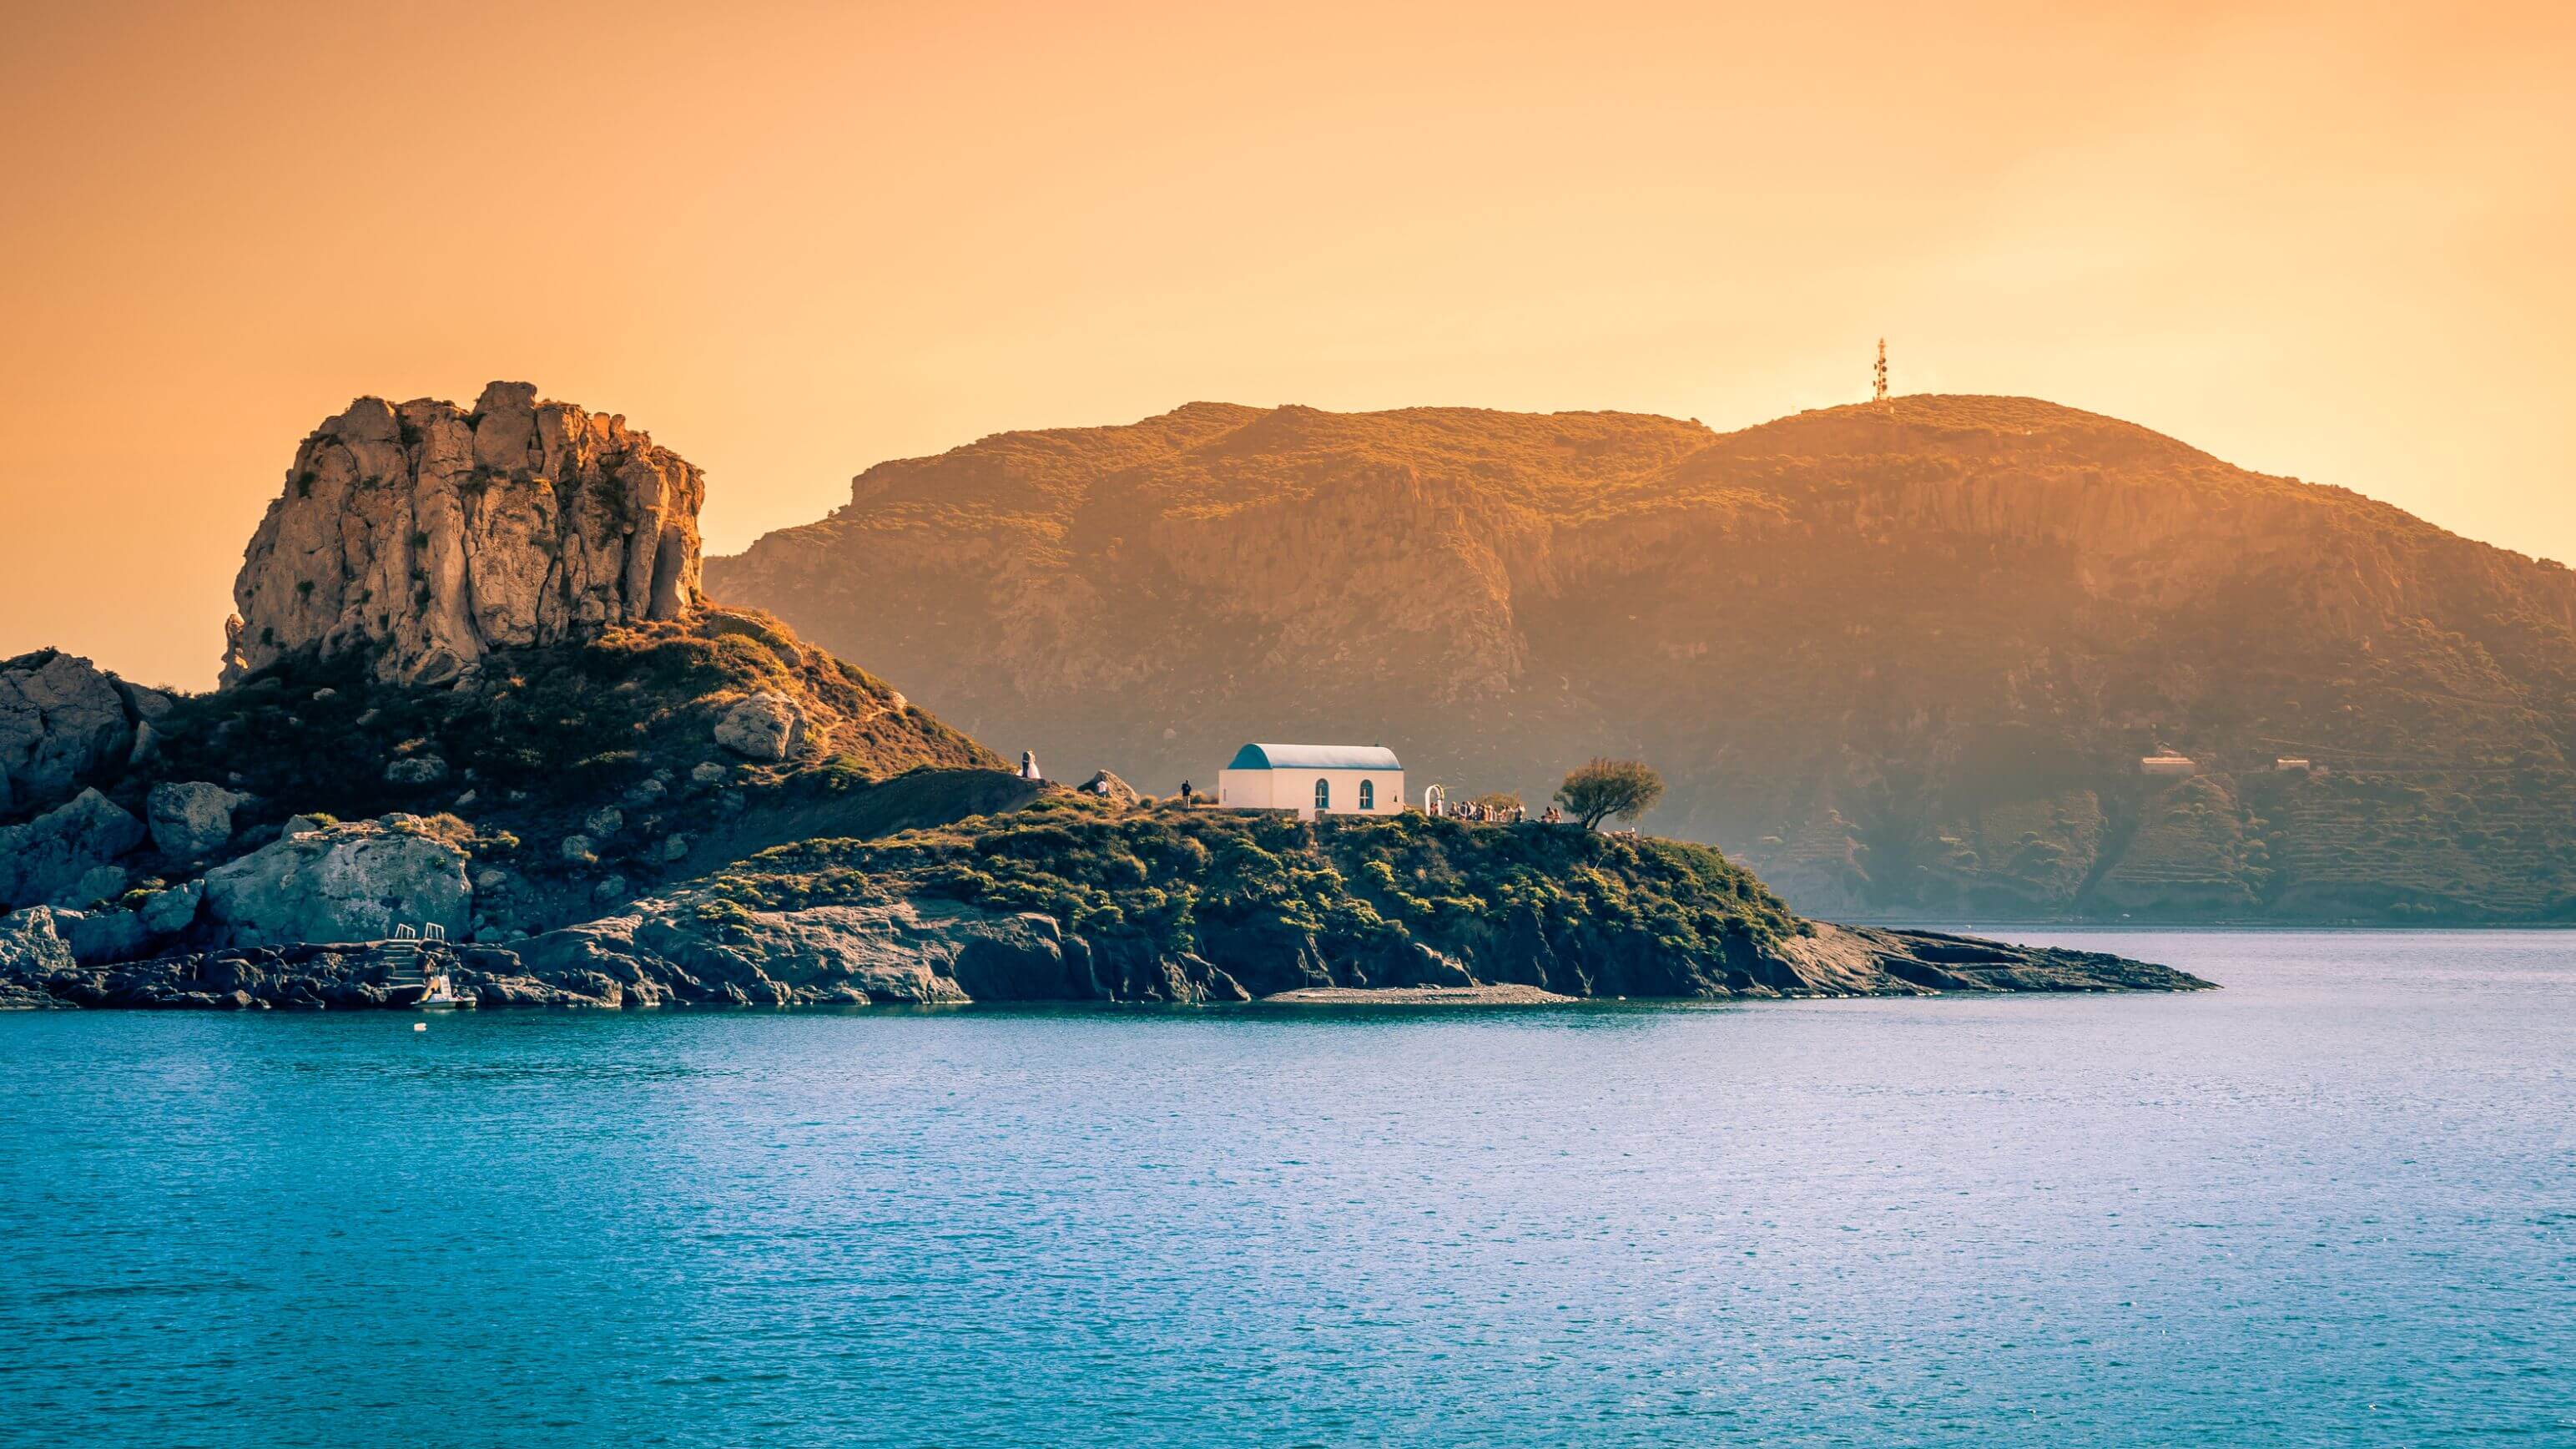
1878,376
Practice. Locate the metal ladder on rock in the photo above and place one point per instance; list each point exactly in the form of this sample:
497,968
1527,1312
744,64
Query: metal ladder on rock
402,955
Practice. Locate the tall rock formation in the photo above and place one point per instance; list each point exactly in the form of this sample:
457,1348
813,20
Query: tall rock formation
488,619
1899,659
427,535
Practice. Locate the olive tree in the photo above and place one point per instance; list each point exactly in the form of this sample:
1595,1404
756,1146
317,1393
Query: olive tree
1604,788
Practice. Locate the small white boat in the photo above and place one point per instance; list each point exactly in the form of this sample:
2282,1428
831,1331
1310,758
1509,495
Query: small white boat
442,997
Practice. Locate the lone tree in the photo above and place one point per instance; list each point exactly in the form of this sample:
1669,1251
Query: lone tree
1593,793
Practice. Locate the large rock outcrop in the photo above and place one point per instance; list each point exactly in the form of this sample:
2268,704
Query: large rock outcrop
131,930
764,726
428,535
66,856
355,882
63,723
917,952
191,819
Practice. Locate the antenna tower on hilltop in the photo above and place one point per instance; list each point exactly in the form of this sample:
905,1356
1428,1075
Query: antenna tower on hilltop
1878,375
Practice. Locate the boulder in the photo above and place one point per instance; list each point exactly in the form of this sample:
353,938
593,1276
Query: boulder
764,726
708,772
1109,787
192,819
63,856
144,704
62,722
352,882
605,821
168,912
113,934
416,770
147,743
424,536
30,942
96,884
102,937
580,850
32,954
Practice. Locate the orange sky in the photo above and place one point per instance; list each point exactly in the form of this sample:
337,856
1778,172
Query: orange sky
2330,241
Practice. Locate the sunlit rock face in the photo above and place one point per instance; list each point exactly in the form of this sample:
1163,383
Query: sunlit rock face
429,535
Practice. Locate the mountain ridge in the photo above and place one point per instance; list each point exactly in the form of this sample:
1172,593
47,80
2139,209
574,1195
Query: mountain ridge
1875,647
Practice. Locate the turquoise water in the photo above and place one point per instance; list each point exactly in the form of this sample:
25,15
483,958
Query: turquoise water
2334,1204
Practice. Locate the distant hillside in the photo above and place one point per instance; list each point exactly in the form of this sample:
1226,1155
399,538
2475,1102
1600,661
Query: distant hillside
1901,661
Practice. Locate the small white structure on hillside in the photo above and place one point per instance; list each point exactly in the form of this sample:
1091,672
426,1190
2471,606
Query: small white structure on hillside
1313,780
2168,762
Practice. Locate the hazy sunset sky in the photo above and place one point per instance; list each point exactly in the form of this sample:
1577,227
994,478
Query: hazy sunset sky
791,241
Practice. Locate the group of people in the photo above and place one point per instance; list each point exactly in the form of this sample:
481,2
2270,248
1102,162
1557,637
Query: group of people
1491,814
1482,812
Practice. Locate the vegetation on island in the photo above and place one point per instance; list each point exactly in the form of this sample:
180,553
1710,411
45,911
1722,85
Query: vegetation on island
573,722
587,770
1357,885
1609,790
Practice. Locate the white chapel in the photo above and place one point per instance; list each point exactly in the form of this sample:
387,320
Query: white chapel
1313,780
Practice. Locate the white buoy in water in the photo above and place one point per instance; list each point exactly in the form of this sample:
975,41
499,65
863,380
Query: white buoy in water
420,1026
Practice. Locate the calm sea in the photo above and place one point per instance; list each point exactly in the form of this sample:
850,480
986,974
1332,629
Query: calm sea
2334,1204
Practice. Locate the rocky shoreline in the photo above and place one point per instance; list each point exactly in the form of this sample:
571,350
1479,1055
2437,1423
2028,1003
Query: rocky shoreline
926,953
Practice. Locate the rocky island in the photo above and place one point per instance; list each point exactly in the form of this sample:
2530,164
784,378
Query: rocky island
474,682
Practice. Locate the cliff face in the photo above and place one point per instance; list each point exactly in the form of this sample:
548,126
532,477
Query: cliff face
428,536
1900,660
